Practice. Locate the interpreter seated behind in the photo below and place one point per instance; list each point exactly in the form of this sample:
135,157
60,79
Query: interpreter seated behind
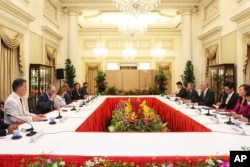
14,108
229,99
207,95
45,101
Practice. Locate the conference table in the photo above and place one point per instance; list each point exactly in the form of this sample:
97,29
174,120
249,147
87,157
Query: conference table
81,134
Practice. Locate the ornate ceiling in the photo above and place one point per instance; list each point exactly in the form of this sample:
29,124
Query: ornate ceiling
103,14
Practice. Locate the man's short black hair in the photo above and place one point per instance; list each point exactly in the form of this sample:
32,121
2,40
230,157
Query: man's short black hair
229,84
179,83
84,83
18,83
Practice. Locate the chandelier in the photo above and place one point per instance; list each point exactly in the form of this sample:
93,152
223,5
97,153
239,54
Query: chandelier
100,52
157,52
133,27
129,52
136,7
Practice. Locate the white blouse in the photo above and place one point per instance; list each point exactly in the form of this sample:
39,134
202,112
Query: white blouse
59,101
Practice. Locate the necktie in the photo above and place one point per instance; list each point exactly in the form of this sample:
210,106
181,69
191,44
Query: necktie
21,101
22,105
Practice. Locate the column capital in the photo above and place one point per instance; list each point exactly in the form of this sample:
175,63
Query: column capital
187,10
72,10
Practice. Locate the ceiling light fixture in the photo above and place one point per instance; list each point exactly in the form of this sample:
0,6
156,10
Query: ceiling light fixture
100,52
133,27
136,7
129,52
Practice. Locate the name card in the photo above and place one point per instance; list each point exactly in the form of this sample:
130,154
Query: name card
198,111
37,137
215,119
63,119
237,130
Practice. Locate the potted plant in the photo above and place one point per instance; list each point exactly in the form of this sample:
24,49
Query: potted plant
70,73
100,81
161,81
188,74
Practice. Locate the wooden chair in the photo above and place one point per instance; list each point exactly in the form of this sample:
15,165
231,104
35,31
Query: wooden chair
32,103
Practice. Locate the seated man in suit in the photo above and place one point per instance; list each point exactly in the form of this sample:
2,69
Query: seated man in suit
230,98
192,94
6,129
182,91
207,95
83,90
14,109
45,101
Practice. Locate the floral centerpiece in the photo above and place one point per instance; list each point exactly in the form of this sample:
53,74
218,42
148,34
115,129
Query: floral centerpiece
136,116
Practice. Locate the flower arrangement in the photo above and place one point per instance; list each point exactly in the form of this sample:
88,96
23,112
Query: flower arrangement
136,116
42,162
108,162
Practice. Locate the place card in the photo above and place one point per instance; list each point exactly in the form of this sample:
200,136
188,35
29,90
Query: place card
198,110
214,118
237,129
37,137
63,119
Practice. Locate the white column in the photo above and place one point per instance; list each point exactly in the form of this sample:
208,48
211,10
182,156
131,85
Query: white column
186,33
73,41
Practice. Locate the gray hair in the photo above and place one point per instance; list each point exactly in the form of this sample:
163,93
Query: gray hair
204,83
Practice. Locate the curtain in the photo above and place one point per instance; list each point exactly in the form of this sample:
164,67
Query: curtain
90,77
51,58
13,40
11,59
210,54
9,69
246,44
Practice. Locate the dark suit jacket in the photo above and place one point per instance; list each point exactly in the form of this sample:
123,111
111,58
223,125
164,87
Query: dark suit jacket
182,93
193,96
231,103
76,95
3,126
44,104
83,91
208,100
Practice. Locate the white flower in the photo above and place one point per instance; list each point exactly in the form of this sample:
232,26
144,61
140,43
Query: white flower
102,160
62,163
210,162
89,163
55,165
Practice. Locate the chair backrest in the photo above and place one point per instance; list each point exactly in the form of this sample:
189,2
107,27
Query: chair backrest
32,103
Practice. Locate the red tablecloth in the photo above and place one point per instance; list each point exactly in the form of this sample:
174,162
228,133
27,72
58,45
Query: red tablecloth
177,121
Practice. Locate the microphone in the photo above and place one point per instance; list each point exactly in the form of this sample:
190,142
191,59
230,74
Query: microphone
208,113
229,122
59,115
30,130
73,109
